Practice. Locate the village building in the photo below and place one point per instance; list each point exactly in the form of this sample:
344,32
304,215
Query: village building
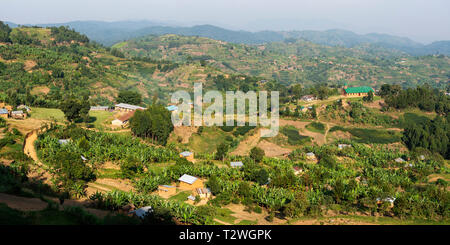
4,113
188,155
18,115
236,164
127,107
123,120
342,146
63,141
99,108
310,156
203,193
190,182
357,91
167,190
308,97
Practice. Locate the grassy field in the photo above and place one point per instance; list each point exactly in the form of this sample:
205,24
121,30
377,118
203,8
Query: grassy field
181,196
101,118
208,140
47,114
294,138
316,127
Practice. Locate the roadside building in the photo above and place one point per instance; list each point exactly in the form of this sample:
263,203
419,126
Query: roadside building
127,107
188,155
190,182
167,190
4,113
123,120
236,164
358,91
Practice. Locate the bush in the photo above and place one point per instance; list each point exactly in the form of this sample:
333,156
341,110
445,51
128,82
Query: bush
257,154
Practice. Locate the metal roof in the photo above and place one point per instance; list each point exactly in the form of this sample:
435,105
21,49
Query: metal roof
188,179
310,154
236,164
3,111
142,211
186,153
168,186
354,90
172,108
17,112
63,141
131,107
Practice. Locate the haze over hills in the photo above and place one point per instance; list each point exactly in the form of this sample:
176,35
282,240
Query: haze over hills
109,33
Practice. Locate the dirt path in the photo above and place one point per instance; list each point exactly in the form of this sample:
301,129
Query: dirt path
247,144
22,203
28,148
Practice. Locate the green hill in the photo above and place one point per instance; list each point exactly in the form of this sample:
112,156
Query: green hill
295,60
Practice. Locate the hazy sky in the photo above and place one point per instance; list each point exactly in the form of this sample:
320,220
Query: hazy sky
421,20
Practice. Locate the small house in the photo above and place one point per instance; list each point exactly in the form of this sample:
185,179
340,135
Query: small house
399,160
191,197
123,120
142,212
310,156
308,98
18,115
188,155
4,113
190,182
203,193
342,146
236,164
63,141
167,190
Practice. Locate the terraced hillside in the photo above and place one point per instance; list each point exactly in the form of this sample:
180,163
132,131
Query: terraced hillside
294,60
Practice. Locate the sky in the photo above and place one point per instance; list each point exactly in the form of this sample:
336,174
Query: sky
421,20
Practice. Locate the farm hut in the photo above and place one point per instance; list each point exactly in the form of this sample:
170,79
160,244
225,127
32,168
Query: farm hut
310,156
400,160
390,200
4,113
190,182
191,197
127,107
236,164
142,212
18,115
203,193
167,190
188,155
123,120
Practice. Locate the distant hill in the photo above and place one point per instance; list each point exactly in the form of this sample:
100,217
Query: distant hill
109,33
297,60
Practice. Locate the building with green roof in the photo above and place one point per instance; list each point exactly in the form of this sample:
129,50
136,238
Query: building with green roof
358,91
